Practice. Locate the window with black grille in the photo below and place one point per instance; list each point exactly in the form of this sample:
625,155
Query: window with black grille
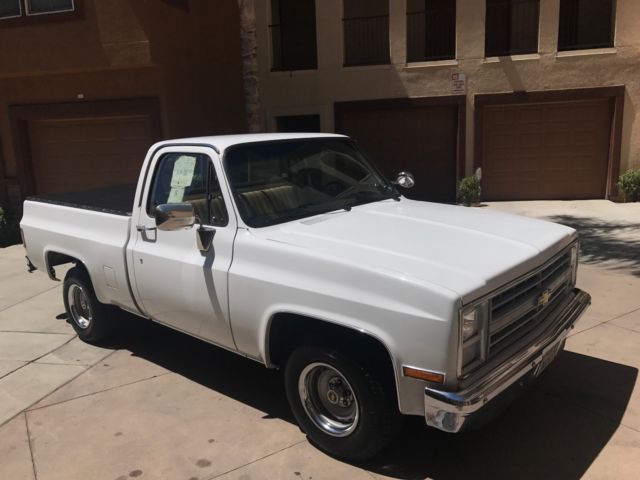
586,24
511,27
366,32
298,123
293,34
431,30
31,12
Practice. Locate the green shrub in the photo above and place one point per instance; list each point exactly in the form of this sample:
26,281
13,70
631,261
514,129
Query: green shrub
9,227
469,190
630,185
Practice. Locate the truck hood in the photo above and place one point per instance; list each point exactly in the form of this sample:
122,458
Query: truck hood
469,251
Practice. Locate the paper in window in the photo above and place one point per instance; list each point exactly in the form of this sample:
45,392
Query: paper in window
181,177
176,195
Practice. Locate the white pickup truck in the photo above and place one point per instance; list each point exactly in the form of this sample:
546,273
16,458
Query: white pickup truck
294,251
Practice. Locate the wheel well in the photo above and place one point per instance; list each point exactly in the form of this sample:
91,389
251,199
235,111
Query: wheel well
289,331
55,258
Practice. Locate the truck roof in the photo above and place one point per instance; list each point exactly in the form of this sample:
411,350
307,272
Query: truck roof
222,142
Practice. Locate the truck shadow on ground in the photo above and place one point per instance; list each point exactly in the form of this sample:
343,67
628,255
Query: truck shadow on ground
615,245
555,431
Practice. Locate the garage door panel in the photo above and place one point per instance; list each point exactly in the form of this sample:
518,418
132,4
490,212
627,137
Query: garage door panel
420,139
555,151
529,120
502,142
73,130
88,152
530,140
73,150
504,117
559,141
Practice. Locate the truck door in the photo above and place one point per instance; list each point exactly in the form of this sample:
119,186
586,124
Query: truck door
177,283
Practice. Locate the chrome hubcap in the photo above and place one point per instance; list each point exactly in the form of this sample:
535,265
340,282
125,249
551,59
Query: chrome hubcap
328,399
79,306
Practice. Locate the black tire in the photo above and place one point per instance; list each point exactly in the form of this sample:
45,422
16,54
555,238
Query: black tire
377,419
99,326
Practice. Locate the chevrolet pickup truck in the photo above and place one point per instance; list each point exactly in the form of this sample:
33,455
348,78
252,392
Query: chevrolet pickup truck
293,250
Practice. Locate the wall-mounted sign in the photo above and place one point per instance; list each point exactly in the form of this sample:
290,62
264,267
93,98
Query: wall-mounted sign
458,83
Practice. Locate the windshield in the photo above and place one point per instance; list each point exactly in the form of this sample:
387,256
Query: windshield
274,182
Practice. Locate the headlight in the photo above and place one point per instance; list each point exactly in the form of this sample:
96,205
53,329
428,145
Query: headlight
473,334
575,250
470,320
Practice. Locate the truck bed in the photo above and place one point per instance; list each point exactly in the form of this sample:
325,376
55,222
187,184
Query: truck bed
92,227
117,200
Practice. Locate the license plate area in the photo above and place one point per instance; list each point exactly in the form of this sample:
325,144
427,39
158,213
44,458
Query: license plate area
546,358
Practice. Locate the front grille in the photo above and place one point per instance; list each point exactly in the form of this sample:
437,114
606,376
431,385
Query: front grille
519,310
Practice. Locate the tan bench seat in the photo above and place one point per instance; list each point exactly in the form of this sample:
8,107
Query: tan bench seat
218,210
271,200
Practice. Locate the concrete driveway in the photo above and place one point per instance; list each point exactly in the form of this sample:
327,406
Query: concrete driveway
157,404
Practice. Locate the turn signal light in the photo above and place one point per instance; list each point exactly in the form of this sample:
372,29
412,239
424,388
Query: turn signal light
423,374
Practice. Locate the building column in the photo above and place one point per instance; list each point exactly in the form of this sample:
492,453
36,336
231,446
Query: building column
470,35
249,51
398,31
470,27
549,27
329,34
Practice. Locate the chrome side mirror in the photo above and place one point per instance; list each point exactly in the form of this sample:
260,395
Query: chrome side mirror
405,180
175,216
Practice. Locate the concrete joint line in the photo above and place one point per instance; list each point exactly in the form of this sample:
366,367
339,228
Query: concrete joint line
56,389
607,321
29,298
33,409
14,370
35,360
33,462
601,415
51,351
256,460
630,428
28,331
67,364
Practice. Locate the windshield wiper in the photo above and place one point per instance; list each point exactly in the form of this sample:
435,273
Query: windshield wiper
367,196
308,210
392,192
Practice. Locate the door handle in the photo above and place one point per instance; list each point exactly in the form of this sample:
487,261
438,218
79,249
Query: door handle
144,228
144,233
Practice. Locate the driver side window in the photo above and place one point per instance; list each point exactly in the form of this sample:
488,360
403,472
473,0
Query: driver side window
189,178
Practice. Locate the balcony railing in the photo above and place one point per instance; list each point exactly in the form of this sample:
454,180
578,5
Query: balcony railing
294,47
366,40
586,24
512,27
431,35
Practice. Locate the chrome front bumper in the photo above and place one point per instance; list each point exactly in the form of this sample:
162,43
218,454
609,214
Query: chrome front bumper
450,411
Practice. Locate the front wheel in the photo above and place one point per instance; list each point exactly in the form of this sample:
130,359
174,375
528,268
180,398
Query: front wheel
343,407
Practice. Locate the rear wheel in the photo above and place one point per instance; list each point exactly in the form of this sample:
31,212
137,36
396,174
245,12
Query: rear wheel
85,313
342,406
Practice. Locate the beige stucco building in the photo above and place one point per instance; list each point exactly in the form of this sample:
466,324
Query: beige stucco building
558,121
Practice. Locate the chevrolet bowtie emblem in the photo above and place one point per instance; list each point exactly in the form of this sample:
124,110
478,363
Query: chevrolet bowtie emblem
544,298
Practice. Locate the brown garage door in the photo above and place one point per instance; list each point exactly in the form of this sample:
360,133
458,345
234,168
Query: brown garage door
62,147
546,151
417,138
84,153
